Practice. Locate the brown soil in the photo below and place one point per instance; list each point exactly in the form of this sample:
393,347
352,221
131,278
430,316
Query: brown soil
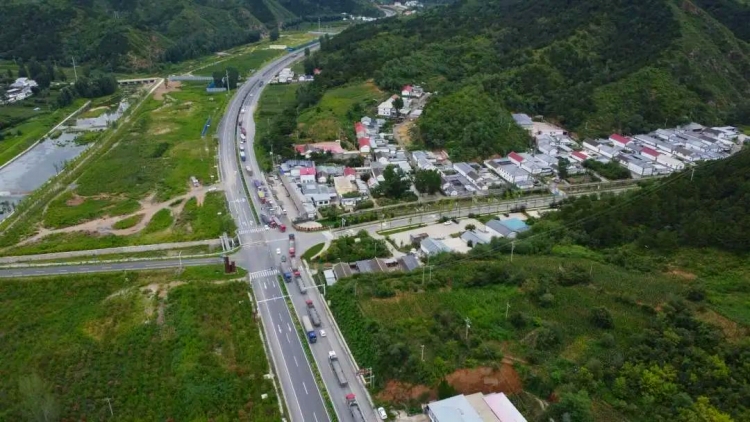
104,225
399,392
465,381
487,380
165,88
75,201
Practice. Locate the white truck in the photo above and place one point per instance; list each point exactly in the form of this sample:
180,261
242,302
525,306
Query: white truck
336,365
249,170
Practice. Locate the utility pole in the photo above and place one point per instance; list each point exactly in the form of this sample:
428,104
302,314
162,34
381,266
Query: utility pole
507,308
423,353
112,414
512,248
430,273
229,90
179,256
468,325
692,173
318,23
75,72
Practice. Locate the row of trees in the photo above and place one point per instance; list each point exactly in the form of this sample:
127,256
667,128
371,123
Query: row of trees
96,85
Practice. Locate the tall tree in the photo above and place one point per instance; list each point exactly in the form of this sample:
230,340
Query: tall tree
427,181
10,74
22,71
396,184
274,35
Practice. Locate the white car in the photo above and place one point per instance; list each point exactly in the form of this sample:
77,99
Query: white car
322,333
382,413
278,251
266,227
242,147
448,223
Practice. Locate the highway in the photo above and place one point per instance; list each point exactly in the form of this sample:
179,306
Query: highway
259,255
56,269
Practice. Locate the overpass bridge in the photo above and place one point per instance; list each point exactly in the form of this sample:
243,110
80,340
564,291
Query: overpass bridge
137,81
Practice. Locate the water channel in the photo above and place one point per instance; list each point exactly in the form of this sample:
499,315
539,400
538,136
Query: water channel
30,171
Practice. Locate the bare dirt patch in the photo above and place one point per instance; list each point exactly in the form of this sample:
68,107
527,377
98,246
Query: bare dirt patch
400,392
75,201
401,133
487,380
165,88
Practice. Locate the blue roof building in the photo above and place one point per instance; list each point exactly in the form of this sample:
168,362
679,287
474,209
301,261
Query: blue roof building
515,224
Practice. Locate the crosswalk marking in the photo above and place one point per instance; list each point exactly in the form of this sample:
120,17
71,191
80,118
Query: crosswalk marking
253,230
263,273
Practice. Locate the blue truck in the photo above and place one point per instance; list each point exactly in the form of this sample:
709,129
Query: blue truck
309,329
286,272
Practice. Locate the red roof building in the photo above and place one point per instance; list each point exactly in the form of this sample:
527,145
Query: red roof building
619,140
348,171
649,153
515,158
364,144
307,171
359,129
580,156
316,71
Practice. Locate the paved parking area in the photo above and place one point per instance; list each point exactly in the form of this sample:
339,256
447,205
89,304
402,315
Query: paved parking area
437,230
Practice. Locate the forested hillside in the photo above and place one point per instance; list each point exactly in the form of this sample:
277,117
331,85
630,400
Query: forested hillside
593,65
624,308
133,34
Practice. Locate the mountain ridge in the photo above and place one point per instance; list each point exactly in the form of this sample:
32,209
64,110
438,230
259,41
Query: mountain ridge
593,66
128,35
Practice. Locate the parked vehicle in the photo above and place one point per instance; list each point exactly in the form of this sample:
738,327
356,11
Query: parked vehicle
249,170
265,219
242,156
309,330
279,224
313,313
336,366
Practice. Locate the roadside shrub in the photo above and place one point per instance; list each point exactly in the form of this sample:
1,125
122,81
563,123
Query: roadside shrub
602,318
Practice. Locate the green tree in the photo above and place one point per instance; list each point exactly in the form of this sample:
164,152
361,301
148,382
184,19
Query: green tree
470,227
562,167
22,71
445,390
427,181
233,77
577,407
10,74
396,184
602,318
274,35
398,104
307,51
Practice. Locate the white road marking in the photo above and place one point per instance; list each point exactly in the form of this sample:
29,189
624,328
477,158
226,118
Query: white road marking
289,327
295,361
264,285
315,416
305,387
279,327
287,338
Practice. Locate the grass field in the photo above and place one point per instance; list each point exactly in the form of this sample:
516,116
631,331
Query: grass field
329,120
160,346
274,100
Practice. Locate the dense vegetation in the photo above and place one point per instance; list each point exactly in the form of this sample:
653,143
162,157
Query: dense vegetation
628,307
189,352
138,34
355,248
594,66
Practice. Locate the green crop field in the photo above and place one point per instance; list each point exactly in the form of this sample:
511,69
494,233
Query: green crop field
273,101
158,345
330,119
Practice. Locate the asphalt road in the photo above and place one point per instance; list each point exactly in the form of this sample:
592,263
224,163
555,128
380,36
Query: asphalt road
36,271
259,256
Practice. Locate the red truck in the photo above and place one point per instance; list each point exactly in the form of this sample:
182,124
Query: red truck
278,223
291,245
